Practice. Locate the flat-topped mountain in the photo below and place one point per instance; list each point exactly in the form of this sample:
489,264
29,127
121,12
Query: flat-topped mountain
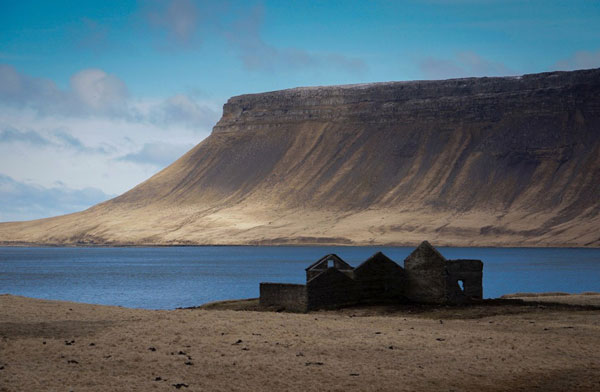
479,161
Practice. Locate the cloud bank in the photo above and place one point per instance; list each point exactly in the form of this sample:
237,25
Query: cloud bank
91,92
13,135
90,136
181,23
94,92
56,139
464,64
257,55
24,201
159,154
177,19
579,60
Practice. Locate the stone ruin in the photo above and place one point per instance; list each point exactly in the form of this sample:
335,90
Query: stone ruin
427,277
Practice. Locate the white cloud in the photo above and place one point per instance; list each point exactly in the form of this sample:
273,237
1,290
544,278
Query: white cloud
13,135
91,34
258,55
91,134
179,19
579,60
478,65
182,22
58,138
85,151
23,201
91,92
464,64
98,90
181,109
95,93
22,90
157,154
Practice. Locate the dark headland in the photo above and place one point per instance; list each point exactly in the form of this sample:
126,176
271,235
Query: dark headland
511,161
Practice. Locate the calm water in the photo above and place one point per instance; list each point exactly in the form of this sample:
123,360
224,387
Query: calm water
166,278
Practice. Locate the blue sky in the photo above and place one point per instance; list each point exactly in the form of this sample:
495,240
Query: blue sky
96,96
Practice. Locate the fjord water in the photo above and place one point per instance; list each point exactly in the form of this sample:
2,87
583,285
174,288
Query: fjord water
170,277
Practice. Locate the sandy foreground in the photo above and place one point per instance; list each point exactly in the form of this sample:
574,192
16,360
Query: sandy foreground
63,346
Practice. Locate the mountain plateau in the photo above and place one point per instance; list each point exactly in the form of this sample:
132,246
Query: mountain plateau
511,161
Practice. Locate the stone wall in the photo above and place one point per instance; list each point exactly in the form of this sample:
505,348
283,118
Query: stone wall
292,297
427,277
470,273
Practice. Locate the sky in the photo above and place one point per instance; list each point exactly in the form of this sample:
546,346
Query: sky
97,96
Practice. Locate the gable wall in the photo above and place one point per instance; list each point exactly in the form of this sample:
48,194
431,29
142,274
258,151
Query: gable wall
380,281
426,277
332,288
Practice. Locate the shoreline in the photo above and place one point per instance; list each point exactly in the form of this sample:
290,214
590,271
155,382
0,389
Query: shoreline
312,245
251,304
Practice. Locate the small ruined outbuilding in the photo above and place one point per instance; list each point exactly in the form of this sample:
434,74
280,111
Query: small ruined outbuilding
427,277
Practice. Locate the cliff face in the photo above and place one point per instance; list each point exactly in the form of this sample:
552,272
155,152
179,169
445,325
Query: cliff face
479,161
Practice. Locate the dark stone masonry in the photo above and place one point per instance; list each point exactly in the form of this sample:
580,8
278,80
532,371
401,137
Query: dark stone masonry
427,277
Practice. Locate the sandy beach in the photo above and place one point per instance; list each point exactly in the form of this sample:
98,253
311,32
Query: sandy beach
63,346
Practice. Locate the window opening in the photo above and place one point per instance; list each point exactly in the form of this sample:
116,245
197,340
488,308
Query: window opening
461,284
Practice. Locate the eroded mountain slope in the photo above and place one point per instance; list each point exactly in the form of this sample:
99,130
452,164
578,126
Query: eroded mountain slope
478,161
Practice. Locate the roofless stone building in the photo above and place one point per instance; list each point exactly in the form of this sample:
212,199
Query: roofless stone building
427,277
